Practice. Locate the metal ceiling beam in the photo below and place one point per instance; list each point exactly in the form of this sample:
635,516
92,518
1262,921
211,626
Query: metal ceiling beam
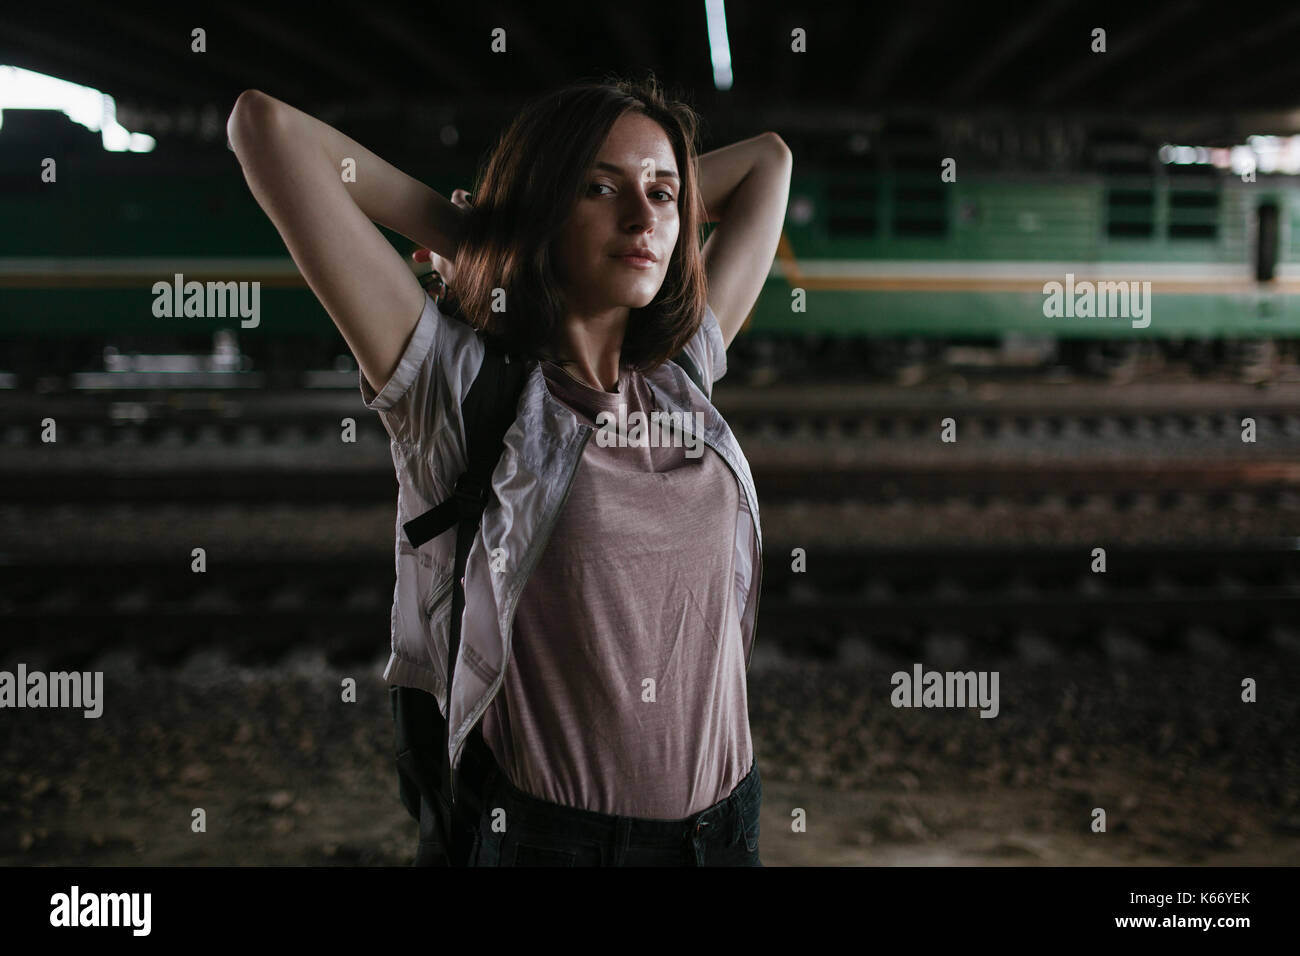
83,65
439,61
548,69
973,81
905,33
1282,76
632,37
1119,44
1202,123
1217,55
267,32
244,73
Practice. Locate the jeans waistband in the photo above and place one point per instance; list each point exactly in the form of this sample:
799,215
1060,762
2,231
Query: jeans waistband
638,828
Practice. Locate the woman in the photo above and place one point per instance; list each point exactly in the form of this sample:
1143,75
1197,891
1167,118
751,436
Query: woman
612,590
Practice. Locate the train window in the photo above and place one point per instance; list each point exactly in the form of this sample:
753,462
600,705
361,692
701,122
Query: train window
852,209
1193,214
920,209
1131,211
1193,201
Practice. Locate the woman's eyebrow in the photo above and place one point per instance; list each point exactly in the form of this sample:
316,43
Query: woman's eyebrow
659,173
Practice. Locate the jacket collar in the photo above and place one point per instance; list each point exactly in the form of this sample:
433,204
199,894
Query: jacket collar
669,383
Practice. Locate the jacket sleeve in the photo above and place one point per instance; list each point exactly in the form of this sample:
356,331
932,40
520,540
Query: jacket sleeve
423,395
707,350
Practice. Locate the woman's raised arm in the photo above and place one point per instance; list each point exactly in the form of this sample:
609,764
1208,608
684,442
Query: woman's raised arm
745,187
295,166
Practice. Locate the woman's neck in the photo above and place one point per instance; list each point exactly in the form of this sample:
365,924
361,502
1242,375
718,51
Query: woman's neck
585,375
590,348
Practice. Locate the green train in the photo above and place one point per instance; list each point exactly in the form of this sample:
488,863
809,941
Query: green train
872,265
908,256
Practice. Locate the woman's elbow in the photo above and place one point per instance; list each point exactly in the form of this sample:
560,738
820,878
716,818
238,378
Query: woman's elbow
251,107
778,144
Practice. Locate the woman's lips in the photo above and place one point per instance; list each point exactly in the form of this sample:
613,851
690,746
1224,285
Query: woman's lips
638,261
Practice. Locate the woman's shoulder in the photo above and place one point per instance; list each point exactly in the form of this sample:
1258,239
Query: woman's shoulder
437,368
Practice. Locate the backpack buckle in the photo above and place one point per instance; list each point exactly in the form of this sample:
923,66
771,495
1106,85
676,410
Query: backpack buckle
471,493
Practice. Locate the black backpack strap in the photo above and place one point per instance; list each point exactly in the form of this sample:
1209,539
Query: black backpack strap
689,367
488,411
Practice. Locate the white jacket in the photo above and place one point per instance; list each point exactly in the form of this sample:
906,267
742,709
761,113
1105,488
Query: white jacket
420,407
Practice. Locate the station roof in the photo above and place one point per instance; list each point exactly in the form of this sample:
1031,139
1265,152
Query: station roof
1184,70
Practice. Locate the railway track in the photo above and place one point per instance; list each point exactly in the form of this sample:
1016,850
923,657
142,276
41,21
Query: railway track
838,414
256,611
1120,486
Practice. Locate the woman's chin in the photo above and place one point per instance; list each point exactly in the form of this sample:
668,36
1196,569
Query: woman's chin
629,296
640,297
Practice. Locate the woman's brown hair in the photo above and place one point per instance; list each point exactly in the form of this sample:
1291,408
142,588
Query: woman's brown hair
533,180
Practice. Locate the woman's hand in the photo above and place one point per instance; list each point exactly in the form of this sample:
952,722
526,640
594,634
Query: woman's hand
444,267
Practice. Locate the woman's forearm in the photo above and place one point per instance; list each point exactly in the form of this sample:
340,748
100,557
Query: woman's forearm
722,170
265,129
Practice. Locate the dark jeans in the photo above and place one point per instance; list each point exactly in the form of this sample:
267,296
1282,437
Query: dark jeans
534,832
517,829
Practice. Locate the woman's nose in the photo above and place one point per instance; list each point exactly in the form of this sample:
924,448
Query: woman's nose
641,209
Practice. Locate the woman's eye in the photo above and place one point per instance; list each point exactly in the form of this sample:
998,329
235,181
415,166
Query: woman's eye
668,197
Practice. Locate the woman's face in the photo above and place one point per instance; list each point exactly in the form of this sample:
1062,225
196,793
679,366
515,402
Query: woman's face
629,199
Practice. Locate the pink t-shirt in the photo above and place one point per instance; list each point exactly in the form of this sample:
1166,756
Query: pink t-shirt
625,690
